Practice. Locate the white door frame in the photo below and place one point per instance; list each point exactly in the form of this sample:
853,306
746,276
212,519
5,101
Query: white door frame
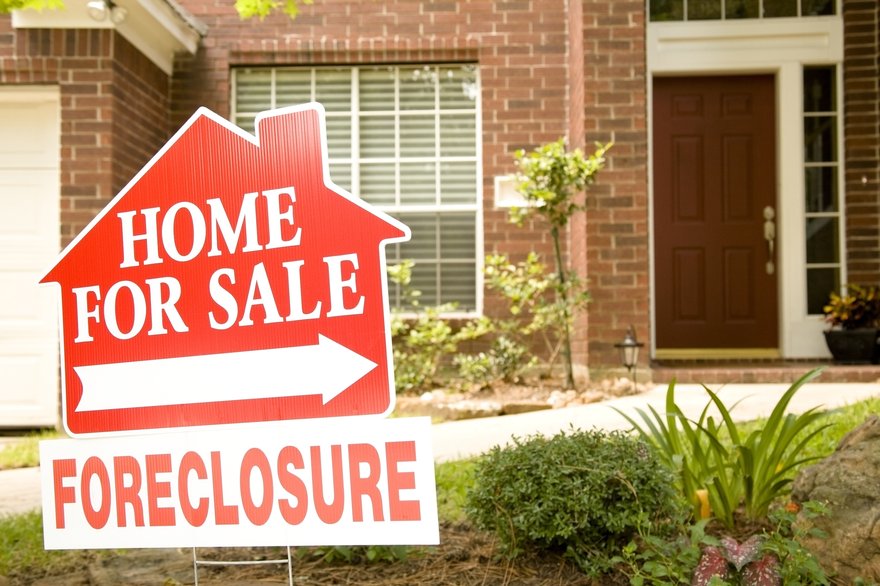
778,46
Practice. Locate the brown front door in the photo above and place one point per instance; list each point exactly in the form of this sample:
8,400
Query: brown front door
714,180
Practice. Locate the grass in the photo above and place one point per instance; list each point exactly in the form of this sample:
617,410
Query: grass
453,481
840,422
22,553
26,452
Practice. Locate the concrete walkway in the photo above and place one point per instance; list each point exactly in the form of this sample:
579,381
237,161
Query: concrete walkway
461,439
20,489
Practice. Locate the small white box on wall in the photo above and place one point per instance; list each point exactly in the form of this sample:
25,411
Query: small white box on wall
506,195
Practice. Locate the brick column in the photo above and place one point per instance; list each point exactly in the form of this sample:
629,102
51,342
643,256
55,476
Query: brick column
615,96
577,235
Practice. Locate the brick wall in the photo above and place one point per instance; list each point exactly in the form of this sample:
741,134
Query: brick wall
103,81
861,75
615,97
141,118
522,48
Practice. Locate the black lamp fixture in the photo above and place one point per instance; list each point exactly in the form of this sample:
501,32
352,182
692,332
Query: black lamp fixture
101,10
629,351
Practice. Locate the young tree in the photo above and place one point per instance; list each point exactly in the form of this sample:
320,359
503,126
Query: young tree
263,8
245,8
7,6
551,179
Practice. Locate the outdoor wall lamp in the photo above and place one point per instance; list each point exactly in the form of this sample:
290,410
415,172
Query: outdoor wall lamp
102,9
629,351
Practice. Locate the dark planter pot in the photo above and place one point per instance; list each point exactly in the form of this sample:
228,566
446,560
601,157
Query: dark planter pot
854,346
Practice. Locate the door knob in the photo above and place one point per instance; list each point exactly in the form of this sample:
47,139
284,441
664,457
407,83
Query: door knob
770,237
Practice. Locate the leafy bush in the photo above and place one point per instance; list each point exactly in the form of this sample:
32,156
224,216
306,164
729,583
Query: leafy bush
584,493
535,305
732,469
506,360
421,337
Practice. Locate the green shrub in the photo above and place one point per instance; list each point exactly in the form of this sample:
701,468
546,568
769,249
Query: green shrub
421,337
506,360
540,305
584,493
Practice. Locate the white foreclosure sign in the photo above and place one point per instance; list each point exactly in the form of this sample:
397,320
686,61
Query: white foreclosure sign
344,481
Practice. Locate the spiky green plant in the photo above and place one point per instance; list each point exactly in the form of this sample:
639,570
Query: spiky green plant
711,455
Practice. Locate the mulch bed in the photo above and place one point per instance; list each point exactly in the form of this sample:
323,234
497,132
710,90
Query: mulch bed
465,557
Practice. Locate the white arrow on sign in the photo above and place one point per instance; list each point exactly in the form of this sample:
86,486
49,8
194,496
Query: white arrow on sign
326,368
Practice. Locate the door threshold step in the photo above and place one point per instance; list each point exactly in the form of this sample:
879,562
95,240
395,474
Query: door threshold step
759,371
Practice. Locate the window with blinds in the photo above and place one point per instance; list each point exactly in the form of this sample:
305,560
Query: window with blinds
404,138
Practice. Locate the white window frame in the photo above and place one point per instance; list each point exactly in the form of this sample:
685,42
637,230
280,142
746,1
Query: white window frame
355,160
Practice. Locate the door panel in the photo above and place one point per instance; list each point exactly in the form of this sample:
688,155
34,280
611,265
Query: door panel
714,174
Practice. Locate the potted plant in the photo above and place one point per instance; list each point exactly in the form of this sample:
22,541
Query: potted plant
854,317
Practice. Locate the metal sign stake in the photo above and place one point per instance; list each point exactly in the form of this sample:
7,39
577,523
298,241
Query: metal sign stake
197,562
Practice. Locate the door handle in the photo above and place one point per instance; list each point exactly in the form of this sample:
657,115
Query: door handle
770,237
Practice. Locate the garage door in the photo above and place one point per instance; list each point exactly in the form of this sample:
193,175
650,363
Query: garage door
29,242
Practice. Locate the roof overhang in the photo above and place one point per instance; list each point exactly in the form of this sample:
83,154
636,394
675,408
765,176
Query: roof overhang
158,28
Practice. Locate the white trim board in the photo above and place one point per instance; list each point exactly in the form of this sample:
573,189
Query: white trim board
156,28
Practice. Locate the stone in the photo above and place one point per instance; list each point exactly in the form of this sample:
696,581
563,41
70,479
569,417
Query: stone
588,397
470,409
435,396
848,481
623,386
514,407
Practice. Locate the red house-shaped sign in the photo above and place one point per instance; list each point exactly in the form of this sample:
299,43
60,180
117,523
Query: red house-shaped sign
231,281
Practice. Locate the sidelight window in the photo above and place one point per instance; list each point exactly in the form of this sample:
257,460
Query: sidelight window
822,185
